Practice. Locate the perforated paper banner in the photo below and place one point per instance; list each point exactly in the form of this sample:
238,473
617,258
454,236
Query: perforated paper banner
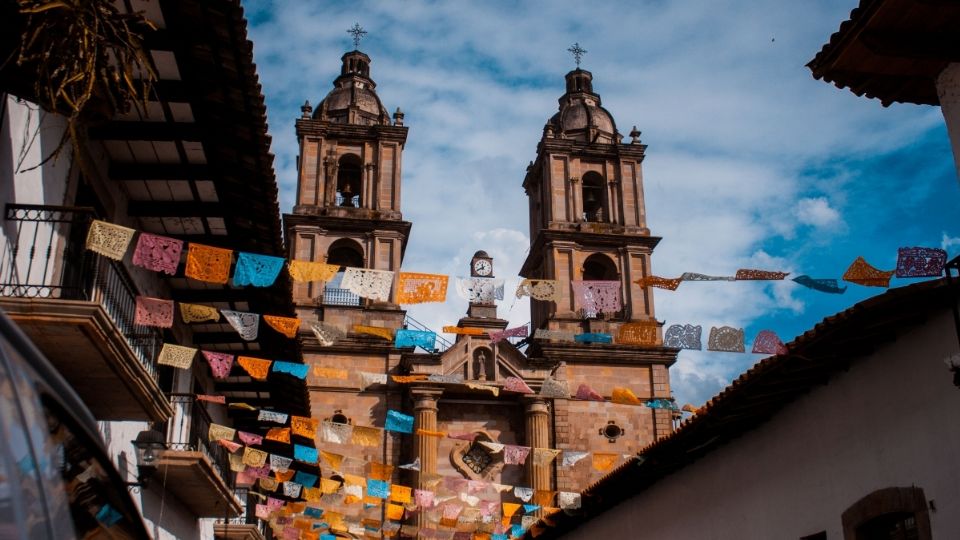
516,384
305,479
553,388
915,262
401,494
208,263
330,373
424,339
253,457
515,455
292,489
862,273
304,453
570,458
683,336
823,285
229,445
407,379
428,433
523,493
368,283
596,297
586,393
446,379
725,339
414,288
257,270
554,335
257,368
303,426
693,276
158,253
766,275
217,432
369,379
767,342
547,290
492,446
593,337
499,335
272,416
246,324
413,466
305,271
288,326
485,387
366,436
333,432
661,403
670,284
177,356
399,422
568,500
334,460
220,363
250,438
269,484
297,370
378,488
378,331
480,289
327,334
222,400
624,396
603,461
280,463
544,456
379,471
153,312
468,331
643,334
191,313
108,239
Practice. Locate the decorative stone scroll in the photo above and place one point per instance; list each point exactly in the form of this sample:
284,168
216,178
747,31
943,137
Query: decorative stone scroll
643,334
246,324
920,262
191,313
823,285
862,273
207,263
257,270
220,363
693,276
725,339
767,342
368,283
553,388
108,239
153,312
670,284
414,288
480,289
596,297
327,334
306,271
546,290
257,368
158,253
288,326
500,335
683,336
745,274
177,356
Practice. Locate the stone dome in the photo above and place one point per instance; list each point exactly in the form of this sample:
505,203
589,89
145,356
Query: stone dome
354,99
581,117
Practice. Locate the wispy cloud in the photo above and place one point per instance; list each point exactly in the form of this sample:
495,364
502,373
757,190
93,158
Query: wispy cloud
750,159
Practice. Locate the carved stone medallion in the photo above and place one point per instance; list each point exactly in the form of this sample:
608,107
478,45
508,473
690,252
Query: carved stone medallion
474,460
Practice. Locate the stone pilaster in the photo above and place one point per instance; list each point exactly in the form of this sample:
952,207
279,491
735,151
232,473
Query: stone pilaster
538,436
948,90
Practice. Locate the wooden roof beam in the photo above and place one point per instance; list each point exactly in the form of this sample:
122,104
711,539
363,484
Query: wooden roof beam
148,131
160,171
175,209
940,46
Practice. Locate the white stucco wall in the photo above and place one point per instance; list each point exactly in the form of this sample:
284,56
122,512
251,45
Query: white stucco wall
890,421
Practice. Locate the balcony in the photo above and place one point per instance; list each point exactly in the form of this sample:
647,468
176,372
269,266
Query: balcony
244,527
193,469
333,296
78,308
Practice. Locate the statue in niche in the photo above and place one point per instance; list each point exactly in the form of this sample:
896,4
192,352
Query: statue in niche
483,364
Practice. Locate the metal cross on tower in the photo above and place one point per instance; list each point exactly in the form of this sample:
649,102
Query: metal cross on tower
578,53
357,32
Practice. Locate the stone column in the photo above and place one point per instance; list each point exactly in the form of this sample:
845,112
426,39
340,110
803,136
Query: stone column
538,436
425,417
576,203
948,90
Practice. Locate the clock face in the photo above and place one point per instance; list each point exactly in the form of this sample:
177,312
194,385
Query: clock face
482,267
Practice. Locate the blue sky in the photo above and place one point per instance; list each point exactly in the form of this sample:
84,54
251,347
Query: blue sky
751,162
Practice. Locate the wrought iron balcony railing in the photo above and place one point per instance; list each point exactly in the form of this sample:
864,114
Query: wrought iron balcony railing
45,258
333,296
188,431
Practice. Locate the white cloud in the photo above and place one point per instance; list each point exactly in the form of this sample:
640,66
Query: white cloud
949,241
817,213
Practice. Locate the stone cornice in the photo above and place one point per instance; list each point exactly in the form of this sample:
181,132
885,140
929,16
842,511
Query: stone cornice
308,127
601,353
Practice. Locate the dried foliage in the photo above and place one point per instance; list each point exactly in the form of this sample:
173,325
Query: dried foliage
86,61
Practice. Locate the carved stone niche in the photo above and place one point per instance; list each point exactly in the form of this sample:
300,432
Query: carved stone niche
474,460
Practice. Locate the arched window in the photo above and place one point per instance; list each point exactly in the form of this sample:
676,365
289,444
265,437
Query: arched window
594,199
599,267
889,513
344,253
349,171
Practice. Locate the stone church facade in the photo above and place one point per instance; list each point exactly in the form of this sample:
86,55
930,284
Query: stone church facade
587,222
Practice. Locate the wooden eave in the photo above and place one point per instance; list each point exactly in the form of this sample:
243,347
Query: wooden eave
892,50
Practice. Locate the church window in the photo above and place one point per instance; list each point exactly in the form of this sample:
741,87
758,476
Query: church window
339,418
344,253
888,514
599,267
612,431
593,197
477,458
349,173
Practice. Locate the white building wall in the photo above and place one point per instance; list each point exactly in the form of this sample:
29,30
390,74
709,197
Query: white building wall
890,421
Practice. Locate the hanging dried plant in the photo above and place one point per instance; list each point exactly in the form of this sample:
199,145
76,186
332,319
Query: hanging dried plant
86,61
